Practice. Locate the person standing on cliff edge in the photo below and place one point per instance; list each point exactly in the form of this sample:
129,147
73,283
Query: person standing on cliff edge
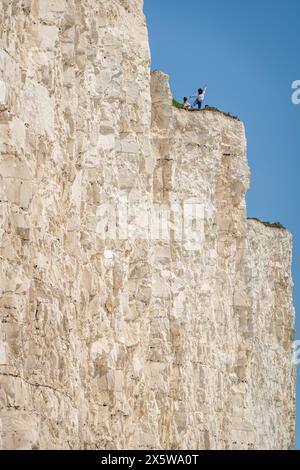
200,97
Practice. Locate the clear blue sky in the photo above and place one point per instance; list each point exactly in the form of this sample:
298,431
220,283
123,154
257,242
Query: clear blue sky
248,52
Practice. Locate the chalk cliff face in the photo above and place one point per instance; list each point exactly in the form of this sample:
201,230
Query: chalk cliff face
228,303
117,331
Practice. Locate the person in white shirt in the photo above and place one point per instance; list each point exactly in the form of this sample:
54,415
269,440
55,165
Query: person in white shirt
186,104
200,97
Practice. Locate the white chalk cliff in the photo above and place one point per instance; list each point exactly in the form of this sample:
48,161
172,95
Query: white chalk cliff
129,341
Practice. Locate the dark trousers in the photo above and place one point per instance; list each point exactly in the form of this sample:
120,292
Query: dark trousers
198,104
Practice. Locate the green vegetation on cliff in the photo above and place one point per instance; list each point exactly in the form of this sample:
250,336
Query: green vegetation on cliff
206,108
268,224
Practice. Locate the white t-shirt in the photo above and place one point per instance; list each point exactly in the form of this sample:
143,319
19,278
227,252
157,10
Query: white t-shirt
200,97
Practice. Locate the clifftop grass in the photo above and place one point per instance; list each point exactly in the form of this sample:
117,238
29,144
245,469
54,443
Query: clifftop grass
178,105
269,224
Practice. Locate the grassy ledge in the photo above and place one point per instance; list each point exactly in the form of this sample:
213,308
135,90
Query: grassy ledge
269,224
178,105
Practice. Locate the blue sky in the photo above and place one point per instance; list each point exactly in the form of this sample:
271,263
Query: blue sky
248,53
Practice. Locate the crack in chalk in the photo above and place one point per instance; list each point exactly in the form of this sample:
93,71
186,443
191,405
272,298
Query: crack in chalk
34,384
